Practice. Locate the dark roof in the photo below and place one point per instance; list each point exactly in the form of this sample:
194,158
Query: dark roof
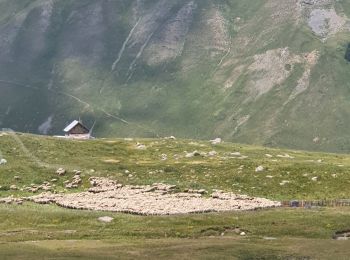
74,124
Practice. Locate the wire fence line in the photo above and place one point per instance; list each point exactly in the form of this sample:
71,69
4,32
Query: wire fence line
316,203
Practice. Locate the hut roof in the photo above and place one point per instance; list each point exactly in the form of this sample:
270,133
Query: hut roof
72,125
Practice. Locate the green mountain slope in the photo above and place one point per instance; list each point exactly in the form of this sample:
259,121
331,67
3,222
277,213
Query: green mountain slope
266,72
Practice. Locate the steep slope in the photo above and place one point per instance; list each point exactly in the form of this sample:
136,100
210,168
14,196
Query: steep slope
266,72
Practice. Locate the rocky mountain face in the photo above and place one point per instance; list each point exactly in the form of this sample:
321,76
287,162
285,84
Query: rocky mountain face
267,72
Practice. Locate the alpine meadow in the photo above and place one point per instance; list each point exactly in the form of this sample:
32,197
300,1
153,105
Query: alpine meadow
175,129
267,72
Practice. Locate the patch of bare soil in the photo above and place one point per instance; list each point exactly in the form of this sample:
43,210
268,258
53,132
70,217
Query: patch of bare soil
156,199
322,17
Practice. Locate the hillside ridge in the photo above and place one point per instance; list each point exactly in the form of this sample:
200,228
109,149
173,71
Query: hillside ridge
267,72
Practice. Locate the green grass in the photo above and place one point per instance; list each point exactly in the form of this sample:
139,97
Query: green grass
49,231
184,96
219,172
32,231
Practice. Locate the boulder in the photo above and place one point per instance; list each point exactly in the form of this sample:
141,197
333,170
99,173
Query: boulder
216,141
170,138
212,153
314,178
105,219
3,161
140,146
259,169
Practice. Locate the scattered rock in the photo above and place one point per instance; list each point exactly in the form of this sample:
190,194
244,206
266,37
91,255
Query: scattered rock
268,155
285,156
141,146
61,171
3,161
212,153
170,138
194,153
105,219
269,238
284,182
164,157
216,141
316,140
242,234
314,178
259,169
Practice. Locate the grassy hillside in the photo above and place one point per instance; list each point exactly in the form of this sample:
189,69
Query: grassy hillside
260,72
33,231
287,174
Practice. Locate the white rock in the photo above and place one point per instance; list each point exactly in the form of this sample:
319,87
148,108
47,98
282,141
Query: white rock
242,234
3,161
105,219
269,238
140,146
212,153
216,141
170,138
284,182
259,169
314,178
194,153
268,155
285,156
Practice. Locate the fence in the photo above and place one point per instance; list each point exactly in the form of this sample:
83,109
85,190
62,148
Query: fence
316,203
